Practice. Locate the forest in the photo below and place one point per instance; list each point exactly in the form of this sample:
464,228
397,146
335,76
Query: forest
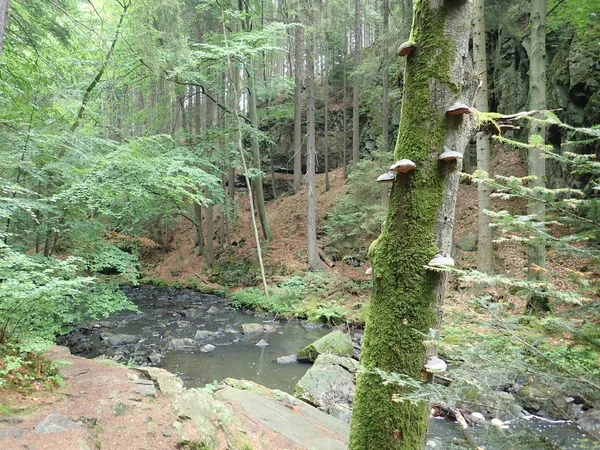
419,175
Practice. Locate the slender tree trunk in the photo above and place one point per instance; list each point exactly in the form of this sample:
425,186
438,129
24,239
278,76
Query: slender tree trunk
537,165
356,88
345,114
407,297
485,249
298,63
311,233
4,5
385,104
326,131
408,17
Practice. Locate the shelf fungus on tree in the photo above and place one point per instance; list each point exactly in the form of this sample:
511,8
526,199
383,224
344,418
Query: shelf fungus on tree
387,177
458,109
441,261
450,155
435,365
403,166
406,48
369,271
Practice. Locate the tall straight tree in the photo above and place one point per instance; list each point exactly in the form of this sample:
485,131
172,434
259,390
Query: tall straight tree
4,5
385,104
311,151
356,87
407,293
537,164
298,64
485,249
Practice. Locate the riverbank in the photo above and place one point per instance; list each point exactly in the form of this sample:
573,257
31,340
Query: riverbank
102,405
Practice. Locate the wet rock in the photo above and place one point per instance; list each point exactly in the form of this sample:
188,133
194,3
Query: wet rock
590,422
203,335
57,423
191,313
269,329
228,330
500,404
262,343
213,310
117,340
252,328
543,400
289,359
207,348
328,382
176,344
182,323
336,343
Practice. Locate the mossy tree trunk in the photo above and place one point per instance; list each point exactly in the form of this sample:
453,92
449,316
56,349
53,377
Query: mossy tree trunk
407,297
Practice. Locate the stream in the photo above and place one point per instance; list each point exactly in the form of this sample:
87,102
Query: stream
176,329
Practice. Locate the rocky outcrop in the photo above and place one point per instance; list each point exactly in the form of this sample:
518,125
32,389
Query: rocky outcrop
335,343
330,385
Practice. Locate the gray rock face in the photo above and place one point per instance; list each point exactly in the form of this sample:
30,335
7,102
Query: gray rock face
203,335
207,348
198,407
543,400
252,328
336,343
116,340
57,423
176,344
289,359
329,382
340,411
168,384
213,310
590,422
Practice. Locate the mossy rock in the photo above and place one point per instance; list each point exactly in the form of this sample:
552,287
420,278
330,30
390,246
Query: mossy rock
336,343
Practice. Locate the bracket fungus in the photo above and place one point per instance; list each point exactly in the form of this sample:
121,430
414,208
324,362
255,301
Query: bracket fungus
458,109
387,177
406,48
435,365
450,155
441,261
403,166
369,271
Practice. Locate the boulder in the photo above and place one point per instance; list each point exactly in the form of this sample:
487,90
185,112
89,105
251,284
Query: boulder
289,359
252,328
340,411
198,407
329,382
590,422
169,384
57,423
207,348
203,335
212,310
269,329
336,343
116,340
543,400
176,344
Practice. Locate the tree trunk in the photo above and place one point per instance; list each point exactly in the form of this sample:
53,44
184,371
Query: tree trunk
326,131
311,194
407,297
345,113
537,164
485,249
298,62
356,88
4,5
385,104
209,253
257,182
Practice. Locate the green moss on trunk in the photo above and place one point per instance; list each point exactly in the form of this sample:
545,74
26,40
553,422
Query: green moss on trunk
403,304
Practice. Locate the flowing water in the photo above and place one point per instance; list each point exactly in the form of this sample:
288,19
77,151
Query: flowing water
167,315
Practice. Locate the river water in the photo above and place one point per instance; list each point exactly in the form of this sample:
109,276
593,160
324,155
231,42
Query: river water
168,314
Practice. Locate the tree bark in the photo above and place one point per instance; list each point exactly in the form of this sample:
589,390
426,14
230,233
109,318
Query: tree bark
298,63
385,104
4,5
407,297
311,194
257,182
485,249
356,88
537,165
345,113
